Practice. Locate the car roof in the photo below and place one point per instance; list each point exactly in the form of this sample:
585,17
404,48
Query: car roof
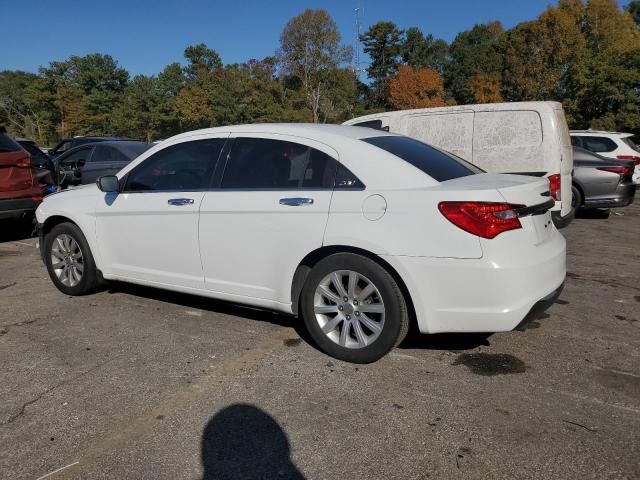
119,144
309,130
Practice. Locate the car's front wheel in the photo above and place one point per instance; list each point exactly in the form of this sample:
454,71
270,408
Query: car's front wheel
353,308
69,260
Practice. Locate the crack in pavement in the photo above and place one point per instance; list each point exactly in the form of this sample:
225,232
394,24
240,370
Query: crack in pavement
5,328
21,412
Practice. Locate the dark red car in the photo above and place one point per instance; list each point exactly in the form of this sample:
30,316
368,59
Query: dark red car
20,193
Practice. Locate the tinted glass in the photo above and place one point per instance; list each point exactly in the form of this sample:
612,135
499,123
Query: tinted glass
437,164
185,166
104,154
599,144
75,159
629,141
64,146
38,158
376,124
7,144
265,163
345,179
575,141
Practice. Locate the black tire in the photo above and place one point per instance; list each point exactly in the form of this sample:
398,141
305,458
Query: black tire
89,280
396,317
576,197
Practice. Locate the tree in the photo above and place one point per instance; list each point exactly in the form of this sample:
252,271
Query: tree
472,52
309,49
423,51
86,90
633,8
485,88
383,43
26,106
200,58
416,88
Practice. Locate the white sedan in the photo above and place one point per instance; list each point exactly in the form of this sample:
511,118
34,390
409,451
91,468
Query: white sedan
358,231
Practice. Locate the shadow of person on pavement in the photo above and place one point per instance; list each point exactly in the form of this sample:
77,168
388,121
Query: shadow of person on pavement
243,442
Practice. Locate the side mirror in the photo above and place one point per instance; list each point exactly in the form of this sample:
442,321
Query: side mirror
108,184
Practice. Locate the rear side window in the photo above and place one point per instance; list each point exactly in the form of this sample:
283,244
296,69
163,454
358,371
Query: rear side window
599,144
181,167
108,154
7,144
437,164
630,143
277,164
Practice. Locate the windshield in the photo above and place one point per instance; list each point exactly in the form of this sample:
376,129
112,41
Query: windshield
440,165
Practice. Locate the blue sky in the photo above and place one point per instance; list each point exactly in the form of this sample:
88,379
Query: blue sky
146,35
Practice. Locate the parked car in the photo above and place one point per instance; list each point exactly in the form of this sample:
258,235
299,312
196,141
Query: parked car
67,144
616,145
84,164
41,164
352,228
600,182
20,193
528,138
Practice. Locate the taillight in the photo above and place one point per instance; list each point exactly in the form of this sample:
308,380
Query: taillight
24,162
630,158
37,198
619,170
554,186
484,219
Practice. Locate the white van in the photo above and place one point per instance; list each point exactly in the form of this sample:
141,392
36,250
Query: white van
527,138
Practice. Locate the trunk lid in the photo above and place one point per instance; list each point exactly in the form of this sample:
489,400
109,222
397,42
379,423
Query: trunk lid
532,193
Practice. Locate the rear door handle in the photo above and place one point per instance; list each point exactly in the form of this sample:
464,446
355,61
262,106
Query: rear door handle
178,202
296,201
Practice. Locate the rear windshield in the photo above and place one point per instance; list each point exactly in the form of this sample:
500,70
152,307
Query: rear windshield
629,141
7,144
437,164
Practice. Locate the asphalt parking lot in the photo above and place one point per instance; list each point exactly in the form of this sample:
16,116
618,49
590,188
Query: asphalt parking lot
139,383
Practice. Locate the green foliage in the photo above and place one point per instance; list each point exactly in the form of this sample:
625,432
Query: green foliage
423,51
472,52
633,8
383,42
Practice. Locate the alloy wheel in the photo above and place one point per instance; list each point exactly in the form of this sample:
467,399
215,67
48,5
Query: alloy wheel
349,309
67,260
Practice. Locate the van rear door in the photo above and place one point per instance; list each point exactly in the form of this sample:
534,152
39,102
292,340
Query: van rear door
566,160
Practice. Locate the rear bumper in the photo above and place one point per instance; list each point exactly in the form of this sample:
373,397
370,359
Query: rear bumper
17,207
539,308
561,222
623,196
492,294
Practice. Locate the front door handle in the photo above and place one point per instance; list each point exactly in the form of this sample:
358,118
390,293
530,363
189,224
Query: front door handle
178,202
296,201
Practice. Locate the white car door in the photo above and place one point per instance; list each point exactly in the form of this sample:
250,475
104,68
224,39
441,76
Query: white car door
148,232
269,211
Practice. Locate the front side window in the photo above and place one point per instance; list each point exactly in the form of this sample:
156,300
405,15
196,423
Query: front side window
184,166
275,164
76,159
599,144
439,165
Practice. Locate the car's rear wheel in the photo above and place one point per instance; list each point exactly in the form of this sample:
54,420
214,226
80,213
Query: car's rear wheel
69,260
353,308
576,197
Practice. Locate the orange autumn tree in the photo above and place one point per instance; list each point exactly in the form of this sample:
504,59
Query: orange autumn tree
416,88
485,88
